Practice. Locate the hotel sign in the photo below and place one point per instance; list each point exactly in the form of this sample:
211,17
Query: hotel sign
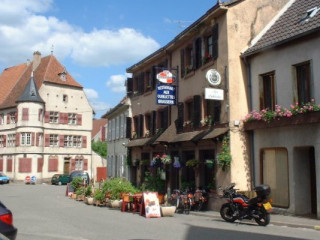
214,94
166,94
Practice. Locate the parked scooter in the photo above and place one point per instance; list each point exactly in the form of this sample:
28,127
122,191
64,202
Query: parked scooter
241,207
200,199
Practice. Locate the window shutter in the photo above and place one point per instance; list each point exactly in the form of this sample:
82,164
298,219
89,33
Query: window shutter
85,164
25,165
215,38
39,114
8,118
61,140
196,110
32,138
16,116
198,52
1,165
180,119
47,140
61,118
79,119
17,139
37,139
182,63
4,140
103,133
140,126
129,87
9,165
25,114
84,141
46,117
40,164
153,77
73,164
128,127
153,122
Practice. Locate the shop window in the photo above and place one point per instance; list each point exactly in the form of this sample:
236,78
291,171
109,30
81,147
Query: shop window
267,91
274,164
303,83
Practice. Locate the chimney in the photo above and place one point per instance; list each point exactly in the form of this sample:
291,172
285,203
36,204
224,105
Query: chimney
36,60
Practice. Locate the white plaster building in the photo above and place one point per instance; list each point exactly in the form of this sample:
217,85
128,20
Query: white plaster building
45,121
117,138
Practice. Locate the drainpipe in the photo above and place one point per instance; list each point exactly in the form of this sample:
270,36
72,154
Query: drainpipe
251,133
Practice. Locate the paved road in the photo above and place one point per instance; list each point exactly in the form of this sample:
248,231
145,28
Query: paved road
43,212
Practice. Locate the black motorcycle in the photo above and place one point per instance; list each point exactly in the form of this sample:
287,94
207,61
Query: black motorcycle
241,207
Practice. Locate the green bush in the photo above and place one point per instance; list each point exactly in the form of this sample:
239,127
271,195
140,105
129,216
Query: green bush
76,183
117,186
80,190
153,183
88,191
99,195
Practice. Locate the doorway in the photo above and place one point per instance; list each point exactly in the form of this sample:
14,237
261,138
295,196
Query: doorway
66,165
305,181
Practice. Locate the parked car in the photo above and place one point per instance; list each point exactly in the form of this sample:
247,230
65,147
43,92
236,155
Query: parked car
6,223
60,179
4,178
82,174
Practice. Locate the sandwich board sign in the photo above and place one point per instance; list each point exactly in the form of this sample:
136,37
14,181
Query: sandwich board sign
151,204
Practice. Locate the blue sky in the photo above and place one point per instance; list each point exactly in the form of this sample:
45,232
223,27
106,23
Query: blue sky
96,40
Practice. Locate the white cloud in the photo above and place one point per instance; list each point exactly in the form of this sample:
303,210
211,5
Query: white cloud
91,93
100,107
116,83
24,30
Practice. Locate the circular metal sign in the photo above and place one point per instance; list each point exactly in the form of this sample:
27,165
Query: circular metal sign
213,77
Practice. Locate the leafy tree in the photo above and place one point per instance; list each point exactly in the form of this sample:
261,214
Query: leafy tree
100,148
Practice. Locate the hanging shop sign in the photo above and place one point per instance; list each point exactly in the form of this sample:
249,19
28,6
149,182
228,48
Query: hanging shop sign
214,94
165,77
213,77
166,94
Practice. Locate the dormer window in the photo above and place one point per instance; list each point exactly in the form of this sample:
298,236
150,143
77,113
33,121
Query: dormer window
309,14
63,75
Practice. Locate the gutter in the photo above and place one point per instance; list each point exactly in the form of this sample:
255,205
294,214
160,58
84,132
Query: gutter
251,133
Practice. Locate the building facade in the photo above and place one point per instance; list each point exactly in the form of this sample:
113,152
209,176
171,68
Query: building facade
209,78
117,139
46,121
285,82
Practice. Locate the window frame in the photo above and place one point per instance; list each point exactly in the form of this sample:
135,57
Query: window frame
267,91
307,90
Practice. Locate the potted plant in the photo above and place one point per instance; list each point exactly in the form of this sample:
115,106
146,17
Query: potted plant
209,163
165,159
75,184
99,197
80,193
193,163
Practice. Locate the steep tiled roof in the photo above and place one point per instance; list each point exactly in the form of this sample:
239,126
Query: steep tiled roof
290,25
14,80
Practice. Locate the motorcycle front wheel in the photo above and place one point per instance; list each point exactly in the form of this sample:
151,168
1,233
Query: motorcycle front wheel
264,218
227,213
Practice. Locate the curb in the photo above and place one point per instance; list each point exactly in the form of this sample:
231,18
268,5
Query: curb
277,223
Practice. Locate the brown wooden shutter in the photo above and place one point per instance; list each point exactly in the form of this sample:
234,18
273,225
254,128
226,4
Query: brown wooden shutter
32,139
129,87
25,165
128,127
79,119
17,139
16,116
61,118
215,38
61,140
9,165
153,121
1,164
165,118
66,118
85,164
179,121
73,164
40,164
25,114
37,139
140,126
103,133
4,140
153,77
182,63
47,140
53,165
47,117
84,141
8,118
196,110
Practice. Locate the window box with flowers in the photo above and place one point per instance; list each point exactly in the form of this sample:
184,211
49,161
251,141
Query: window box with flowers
280,117
206,58
207,121
193,163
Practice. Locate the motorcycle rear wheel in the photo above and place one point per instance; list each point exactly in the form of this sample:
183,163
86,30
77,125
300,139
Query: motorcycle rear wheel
264,218
227,213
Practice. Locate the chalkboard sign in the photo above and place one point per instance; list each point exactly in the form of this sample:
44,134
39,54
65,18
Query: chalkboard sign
151,204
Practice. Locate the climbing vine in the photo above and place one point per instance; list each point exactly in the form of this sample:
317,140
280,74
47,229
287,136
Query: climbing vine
224,158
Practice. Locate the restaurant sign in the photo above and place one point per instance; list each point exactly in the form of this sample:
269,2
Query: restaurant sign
165,77
166,94
214,94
